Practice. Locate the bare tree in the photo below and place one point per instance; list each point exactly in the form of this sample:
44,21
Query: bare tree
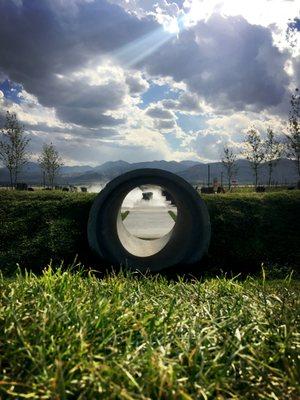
13,144
229,163
254,152
273,151
50,162
293,136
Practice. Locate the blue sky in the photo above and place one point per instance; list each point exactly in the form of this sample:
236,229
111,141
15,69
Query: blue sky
141,80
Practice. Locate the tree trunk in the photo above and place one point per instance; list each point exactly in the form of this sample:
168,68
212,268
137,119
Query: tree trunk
256,176
11,178
51,180
270,173
16,179
229,181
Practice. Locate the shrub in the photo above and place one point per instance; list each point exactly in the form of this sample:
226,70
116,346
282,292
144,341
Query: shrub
247,229
251,229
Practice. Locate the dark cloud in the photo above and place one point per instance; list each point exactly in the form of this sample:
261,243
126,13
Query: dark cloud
186,102
228,61
37,39
159,112
88,117
136,84
78,131
42,40
83,104
164,124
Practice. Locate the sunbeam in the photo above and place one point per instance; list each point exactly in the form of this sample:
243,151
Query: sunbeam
134,52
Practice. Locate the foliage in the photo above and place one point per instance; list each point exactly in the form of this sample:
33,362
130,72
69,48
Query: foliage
229,163
37,226
293,137
254,152
253,228
13,146
50,162
64,335
247,229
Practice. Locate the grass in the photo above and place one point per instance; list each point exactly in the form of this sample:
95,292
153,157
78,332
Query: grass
172,215
124,214
70,335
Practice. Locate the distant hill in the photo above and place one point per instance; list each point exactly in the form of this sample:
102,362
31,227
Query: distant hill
76,169
284,172
192,171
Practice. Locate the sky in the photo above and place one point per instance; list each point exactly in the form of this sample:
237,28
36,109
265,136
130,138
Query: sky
141,80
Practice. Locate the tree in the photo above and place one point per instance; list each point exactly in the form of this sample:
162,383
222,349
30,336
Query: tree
254,152
13,145
293,136
50,162
229,163
273,151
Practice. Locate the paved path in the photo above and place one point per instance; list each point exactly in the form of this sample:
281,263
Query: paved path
149,223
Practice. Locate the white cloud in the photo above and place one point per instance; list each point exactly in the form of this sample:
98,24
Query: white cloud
275,14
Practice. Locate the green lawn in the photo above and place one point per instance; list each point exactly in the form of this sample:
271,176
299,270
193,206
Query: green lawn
69,335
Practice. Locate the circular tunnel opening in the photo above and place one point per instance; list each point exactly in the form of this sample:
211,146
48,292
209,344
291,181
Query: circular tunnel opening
183,242
146,220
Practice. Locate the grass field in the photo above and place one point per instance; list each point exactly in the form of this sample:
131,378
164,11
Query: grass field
71,335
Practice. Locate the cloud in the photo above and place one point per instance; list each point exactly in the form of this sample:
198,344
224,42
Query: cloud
161,124
187,103
136,83
159,112
61,41
77,90
208,144
228,62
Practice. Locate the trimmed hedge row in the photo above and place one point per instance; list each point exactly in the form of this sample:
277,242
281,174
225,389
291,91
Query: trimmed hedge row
247,229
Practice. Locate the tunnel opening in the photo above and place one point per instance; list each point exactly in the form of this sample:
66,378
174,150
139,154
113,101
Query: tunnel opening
184,242
146,220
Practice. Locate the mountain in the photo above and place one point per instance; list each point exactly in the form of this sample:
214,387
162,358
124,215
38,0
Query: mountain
171,166
284,172
76,169
192,171
111,169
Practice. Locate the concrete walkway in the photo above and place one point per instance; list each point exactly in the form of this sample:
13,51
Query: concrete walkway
149,222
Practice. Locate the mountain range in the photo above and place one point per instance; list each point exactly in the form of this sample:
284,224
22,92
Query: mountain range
192,171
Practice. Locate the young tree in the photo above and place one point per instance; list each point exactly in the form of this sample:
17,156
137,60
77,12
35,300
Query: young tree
293,136
254,152
13,144
229,163
50,163
273,151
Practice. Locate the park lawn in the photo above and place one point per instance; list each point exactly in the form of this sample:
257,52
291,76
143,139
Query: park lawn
70,334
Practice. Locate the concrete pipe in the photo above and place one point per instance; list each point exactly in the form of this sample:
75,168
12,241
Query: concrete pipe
184,244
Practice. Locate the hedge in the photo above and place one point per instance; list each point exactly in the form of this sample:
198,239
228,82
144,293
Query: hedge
247,229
